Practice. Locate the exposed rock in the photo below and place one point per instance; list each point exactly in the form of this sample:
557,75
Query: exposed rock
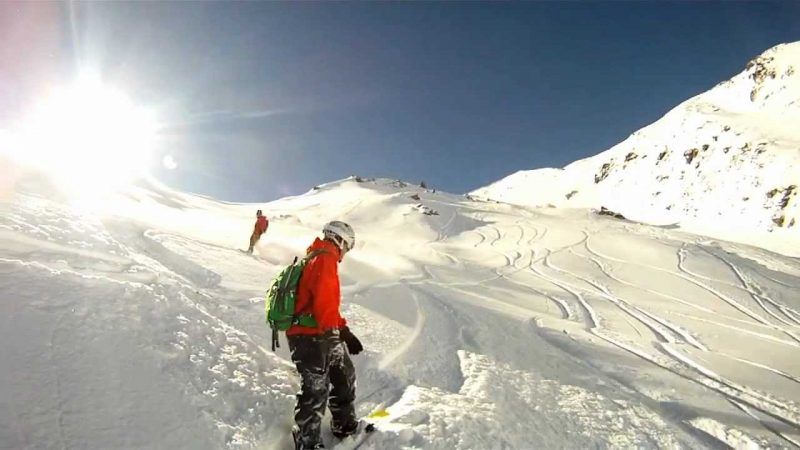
426,210
690,155
570,194
780,199
787,194
607,212
761,71
604,171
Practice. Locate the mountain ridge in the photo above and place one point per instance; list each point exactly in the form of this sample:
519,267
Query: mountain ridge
725,162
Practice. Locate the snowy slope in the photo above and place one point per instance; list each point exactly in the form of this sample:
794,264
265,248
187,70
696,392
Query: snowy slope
725,163
140,325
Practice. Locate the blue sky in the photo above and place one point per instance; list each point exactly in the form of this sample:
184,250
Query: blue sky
262,100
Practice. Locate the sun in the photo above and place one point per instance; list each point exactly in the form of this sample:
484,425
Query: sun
89,137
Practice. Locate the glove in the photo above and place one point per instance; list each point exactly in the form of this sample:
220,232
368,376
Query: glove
354,346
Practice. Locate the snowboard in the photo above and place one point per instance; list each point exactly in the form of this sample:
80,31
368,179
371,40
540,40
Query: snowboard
252,255
356,440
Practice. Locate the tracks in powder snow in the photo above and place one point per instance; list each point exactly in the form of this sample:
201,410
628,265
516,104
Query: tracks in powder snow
445,346
546,269
516,262
667,335
442,331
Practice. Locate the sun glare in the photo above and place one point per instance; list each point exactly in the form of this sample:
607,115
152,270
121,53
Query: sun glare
89,137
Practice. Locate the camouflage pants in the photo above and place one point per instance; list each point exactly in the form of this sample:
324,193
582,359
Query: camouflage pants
327,376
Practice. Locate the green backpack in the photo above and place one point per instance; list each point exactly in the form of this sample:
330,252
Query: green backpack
281,297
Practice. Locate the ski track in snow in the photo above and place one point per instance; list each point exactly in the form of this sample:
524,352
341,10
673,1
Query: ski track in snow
776,408
455,351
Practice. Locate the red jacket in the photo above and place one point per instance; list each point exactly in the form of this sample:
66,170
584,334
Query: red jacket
318,291
261,225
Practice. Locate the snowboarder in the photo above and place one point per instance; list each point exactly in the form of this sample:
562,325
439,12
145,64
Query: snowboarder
260,228
326,370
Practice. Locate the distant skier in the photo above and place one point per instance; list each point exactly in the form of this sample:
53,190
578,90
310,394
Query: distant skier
260,228
326,371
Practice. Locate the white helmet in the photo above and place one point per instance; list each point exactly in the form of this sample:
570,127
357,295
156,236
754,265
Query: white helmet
340,233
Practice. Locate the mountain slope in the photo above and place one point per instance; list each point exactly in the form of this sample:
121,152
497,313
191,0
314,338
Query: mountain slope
725,163
485,325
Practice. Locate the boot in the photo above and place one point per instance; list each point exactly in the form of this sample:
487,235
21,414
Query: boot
344,431
298,444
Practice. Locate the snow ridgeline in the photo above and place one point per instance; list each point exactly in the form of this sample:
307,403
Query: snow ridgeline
724,163
485,325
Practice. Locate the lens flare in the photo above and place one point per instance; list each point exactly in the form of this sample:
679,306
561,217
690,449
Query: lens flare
89,137
169,162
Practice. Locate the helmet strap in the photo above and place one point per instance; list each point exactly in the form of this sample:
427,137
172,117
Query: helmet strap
339,242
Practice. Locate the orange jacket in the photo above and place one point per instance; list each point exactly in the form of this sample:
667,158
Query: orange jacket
318,291
261,225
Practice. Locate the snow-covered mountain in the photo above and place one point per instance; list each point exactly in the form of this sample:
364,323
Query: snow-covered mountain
486,325
724,163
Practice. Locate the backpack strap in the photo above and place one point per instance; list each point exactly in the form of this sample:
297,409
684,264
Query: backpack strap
313,254
306,319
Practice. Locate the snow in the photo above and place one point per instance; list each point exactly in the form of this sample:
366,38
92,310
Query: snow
725,163
140,324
